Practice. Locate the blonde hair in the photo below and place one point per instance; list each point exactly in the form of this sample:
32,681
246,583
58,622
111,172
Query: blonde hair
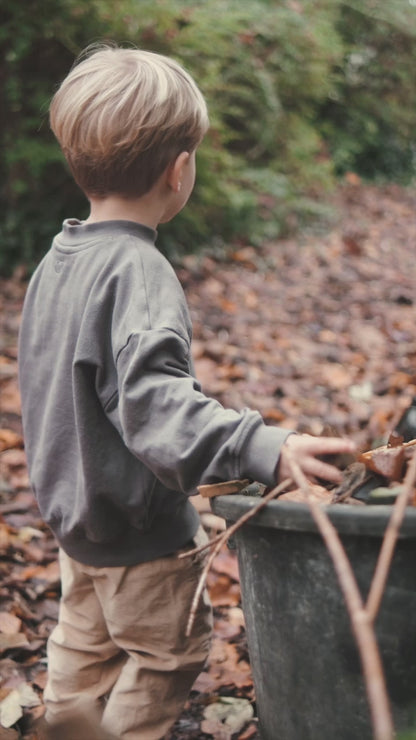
122,116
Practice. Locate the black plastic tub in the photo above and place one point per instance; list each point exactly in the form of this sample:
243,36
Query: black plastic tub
305,663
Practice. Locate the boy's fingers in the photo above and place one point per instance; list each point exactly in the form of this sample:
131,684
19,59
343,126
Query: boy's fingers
319,445
329,445
310,453
318,469
313,468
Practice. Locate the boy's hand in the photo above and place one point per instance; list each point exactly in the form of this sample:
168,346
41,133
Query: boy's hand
306,449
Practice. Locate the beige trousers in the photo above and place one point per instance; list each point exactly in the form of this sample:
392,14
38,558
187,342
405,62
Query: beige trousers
119,649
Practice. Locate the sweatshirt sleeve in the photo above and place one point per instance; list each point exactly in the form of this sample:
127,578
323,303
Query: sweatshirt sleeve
184,437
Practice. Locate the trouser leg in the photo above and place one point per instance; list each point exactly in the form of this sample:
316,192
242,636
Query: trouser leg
83,662
146,615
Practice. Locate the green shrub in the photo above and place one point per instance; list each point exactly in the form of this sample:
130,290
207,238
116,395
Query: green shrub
369,120
38,42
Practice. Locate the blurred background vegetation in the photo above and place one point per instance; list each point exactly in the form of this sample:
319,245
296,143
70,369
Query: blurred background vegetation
299,91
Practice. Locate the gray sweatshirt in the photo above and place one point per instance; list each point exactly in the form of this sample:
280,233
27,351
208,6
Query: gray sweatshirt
117,431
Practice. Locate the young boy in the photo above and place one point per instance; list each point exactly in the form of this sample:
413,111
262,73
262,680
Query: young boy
118,433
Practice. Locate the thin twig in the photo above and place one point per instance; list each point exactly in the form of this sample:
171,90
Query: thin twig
223,536
361,625
221,539
389,542
201,548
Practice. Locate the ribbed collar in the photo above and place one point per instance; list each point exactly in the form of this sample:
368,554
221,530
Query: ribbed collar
77,233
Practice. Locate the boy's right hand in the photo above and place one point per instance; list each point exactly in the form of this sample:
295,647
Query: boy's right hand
305,449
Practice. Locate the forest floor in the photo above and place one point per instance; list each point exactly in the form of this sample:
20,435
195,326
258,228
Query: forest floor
317,332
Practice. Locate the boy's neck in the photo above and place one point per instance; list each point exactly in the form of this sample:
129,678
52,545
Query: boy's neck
146,211
159,205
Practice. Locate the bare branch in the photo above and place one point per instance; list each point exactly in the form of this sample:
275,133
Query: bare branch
385,558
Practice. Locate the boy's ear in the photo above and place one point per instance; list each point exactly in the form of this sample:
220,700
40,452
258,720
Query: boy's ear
174,172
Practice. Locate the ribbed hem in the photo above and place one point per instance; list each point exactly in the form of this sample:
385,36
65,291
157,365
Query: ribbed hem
166,536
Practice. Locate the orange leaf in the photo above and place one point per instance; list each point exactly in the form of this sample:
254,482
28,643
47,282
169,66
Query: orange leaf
317,493
387,461
225,668
49,573
226,562
274,415
222,590
9,440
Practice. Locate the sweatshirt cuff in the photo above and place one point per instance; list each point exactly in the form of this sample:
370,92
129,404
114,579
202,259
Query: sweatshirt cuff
260,455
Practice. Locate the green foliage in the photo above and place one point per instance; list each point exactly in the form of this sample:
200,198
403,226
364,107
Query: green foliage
369,120
295,89
263,69
38,42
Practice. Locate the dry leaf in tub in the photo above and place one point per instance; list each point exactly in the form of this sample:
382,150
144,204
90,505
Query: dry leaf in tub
386,461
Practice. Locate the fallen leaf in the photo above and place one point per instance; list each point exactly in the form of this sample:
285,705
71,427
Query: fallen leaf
226,562
49,573
10,397
41,679
227,716
384,495
274,415
11,674
9,624
10,709
236,616
232,372
8,642
222,590
226,630
246,255
22,501
223,488
27,696
11,706
316,493
6,534
251,300
26,534
336,376
228,305
387,461
9,734
250,732
225,669
9,439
